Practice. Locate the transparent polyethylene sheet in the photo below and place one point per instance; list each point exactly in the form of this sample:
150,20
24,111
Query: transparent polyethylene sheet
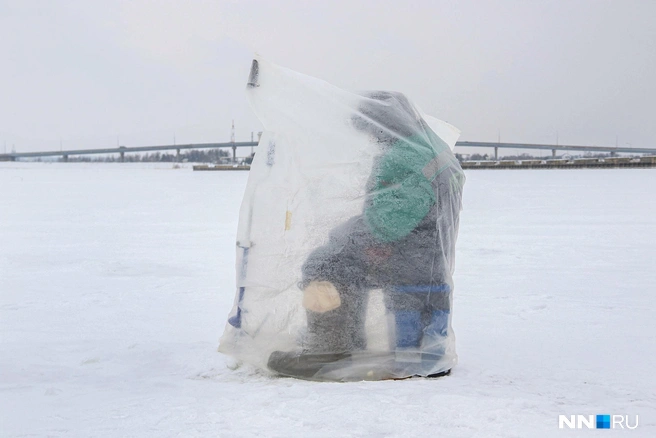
346,238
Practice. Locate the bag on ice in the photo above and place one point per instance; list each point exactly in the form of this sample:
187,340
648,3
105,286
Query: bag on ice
346,238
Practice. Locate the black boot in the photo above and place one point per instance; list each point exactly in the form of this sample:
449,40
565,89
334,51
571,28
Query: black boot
442,374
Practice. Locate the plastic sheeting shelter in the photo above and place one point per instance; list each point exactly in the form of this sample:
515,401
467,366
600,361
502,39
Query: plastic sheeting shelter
346,238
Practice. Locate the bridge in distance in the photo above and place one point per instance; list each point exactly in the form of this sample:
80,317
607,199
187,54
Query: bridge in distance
122,150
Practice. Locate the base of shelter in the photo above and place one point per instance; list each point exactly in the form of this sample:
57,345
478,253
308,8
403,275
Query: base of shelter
356,366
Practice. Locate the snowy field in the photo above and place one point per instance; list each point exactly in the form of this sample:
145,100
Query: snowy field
116,281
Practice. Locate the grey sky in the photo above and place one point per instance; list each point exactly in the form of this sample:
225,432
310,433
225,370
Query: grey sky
84,72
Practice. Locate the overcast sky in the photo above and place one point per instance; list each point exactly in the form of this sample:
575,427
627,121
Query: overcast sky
91,73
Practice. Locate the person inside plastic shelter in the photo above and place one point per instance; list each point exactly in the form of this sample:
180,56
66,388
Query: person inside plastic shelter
402,243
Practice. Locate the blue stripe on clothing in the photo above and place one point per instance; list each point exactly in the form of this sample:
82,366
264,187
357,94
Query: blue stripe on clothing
436,288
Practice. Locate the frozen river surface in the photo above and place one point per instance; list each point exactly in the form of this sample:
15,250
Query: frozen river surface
116,281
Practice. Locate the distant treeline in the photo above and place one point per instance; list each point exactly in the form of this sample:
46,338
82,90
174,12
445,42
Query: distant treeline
479,157
223,155
192,155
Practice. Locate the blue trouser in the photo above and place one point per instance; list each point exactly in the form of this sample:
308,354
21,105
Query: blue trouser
421,317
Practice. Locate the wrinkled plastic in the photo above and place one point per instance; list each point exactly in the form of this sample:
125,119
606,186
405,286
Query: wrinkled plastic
354,193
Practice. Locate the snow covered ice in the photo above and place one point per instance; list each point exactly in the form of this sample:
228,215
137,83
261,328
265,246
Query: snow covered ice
116,278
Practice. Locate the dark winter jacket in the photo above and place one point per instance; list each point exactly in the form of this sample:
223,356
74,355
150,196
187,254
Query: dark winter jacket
406,234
